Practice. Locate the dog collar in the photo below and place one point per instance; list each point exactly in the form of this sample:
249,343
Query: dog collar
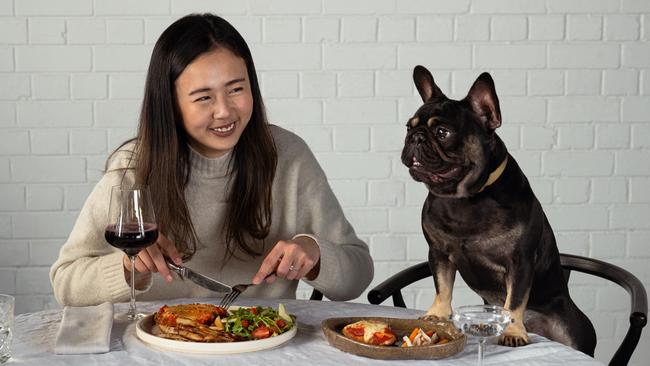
496,173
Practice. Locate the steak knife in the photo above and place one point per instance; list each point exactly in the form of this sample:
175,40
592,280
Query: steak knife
201,280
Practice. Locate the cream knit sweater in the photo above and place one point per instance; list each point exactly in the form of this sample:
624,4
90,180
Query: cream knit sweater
89,271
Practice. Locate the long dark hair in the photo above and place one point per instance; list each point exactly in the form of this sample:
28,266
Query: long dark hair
162,153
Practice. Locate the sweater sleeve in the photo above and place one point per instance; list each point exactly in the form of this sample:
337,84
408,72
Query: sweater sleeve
346,267
88,270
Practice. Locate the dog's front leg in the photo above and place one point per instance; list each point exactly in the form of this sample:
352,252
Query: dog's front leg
517,291
444,274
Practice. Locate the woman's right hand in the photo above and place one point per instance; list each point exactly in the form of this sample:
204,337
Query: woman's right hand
152,258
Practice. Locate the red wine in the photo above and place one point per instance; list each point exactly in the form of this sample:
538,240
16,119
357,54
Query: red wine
131,240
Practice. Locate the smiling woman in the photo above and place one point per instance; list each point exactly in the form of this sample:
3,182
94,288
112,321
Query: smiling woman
235,197
215,100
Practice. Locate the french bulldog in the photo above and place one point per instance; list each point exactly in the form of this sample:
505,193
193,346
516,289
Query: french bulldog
482,219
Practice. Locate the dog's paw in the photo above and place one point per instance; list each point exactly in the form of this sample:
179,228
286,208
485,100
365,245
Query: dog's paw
437,311
513,341
514,336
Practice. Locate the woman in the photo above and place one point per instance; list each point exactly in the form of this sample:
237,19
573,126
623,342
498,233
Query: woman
235,197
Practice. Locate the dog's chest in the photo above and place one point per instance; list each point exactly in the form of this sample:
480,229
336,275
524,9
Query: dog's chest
482,267
477,259
478,241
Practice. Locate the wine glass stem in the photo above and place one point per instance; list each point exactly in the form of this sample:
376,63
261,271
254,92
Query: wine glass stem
481,351
132,314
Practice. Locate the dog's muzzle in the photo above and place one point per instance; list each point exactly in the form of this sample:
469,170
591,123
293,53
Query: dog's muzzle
418,138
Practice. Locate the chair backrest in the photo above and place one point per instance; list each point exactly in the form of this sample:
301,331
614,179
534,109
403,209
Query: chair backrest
639,302
638,298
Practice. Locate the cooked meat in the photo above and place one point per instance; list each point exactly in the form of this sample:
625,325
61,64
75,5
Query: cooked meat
188,314
191,322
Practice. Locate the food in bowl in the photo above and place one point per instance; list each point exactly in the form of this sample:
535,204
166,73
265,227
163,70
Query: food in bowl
372,332
332,329
419,337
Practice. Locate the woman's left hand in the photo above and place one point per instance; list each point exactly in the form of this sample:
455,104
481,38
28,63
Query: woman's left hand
291,260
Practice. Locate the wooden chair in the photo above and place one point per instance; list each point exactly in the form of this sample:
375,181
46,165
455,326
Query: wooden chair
316,295
639,302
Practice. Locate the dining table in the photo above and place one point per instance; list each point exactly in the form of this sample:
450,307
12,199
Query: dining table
35,334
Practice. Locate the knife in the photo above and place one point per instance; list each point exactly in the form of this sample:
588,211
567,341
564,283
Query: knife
201,280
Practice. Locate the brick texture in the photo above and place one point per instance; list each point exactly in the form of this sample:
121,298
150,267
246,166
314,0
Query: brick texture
573,79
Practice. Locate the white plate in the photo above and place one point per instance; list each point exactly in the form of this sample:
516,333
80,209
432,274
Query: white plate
144,326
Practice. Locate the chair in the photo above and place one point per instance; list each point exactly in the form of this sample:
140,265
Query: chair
639,302
316,295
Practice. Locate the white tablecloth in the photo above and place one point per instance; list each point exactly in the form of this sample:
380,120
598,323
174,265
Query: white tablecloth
35,334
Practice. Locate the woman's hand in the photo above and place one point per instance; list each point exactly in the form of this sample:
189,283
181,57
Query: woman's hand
291,260
151,258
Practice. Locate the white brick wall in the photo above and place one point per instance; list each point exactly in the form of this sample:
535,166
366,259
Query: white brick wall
573,77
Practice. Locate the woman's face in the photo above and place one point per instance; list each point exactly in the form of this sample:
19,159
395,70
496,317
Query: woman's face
215,100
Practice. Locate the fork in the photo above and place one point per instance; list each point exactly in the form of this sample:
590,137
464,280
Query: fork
236,291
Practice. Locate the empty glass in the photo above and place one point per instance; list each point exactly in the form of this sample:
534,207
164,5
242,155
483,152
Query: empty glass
482,321
6,323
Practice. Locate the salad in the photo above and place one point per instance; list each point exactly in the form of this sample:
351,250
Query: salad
257,322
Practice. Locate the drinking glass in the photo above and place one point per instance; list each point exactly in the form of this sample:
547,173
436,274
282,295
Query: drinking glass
6,323
482,321
131,228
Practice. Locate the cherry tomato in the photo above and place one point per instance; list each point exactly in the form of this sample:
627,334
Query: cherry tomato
261,332
280,323
244,323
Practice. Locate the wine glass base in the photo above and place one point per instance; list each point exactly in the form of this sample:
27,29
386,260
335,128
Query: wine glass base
135,316
129,317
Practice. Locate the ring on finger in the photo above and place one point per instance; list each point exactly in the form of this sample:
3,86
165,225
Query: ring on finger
292,268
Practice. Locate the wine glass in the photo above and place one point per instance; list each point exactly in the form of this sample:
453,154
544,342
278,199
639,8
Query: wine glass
481,321
131,228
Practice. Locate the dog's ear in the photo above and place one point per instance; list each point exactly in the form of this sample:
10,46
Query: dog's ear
483,99
425,84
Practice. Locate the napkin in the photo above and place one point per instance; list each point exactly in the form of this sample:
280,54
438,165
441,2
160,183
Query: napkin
85,329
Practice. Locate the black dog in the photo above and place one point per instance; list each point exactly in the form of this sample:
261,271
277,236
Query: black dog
482,218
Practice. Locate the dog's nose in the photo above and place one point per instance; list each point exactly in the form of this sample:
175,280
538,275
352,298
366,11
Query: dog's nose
417,139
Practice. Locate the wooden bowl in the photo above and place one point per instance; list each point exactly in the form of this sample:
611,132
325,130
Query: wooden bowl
332,329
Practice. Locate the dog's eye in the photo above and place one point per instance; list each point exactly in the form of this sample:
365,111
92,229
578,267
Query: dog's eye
442,133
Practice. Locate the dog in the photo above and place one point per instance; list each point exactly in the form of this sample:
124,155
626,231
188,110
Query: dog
482,218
